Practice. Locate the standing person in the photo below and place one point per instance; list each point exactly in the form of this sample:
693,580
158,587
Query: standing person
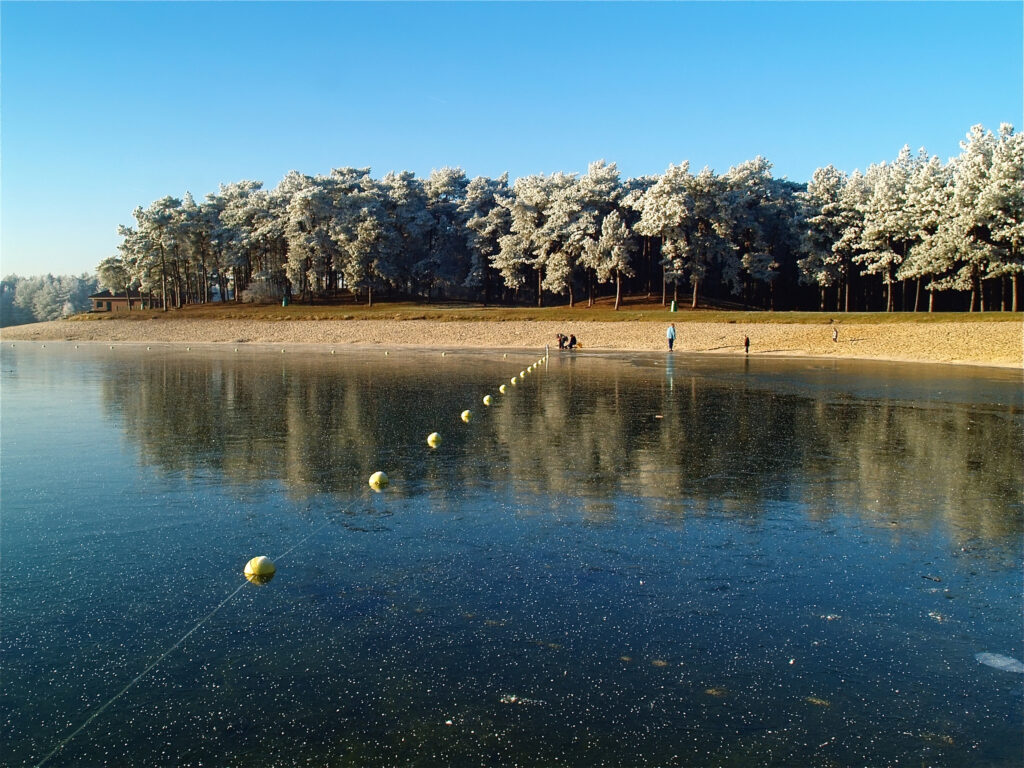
835,334
561,341
746,345
670,334
572,341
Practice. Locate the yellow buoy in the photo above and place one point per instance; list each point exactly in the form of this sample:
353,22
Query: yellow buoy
378,481
487,400
260,570
385,353
466,415
433,439
502,389
522,374
443,354
513,381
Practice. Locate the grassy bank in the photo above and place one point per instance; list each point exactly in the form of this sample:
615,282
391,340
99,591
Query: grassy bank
602,311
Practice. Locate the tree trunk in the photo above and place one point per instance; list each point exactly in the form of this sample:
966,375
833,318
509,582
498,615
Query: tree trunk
540,289
163,278
917,295
821,304
664,287
647,261
846,296
693,304
572,296
590,290
1013,293
369,294
931,301
618,289
888,297
981,294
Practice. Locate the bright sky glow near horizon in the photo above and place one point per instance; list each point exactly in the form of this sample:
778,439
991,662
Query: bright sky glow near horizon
106,106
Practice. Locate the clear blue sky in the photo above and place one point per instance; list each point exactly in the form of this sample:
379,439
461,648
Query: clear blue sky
106,106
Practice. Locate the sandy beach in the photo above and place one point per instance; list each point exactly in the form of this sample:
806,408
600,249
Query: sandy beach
998,343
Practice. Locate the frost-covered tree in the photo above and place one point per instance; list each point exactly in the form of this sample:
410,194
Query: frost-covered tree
852,200
158,227
405,230
691,215
765,226
709,236
114,274
531,242
928,198
45,297
446,256
568,225
666,211
611,255
631,208
999,216
361,243
821,264
598,194
311,250
239,206
964,232
10,313
888,230
486,223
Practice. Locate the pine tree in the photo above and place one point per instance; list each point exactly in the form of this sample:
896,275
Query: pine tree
1000,210
964,233
928,199
611,255
888,230
822,265
486,222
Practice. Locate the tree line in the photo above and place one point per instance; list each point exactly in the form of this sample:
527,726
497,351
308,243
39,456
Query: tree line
884,239
41,298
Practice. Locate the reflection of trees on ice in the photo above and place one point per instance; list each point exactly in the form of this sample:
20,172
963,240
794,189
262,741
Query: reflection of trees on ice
591,429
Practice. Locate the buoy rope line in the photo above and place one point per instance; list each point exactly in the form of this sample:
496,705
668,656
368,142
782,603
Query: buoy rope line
166,653
203,620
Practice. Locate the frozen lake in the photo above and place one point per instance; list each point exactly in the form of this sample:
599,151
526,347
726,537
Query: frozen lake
626,560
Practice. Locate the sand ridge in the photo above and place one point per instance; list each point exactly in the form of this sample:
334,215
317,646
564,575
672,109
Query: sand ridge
996,343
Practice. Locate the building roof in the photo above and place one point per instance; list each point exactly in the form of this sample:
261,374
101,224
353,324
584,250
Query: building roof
110,295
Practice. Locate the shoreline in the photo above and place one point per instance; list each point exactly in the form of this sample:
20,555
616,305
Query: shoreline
993,344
